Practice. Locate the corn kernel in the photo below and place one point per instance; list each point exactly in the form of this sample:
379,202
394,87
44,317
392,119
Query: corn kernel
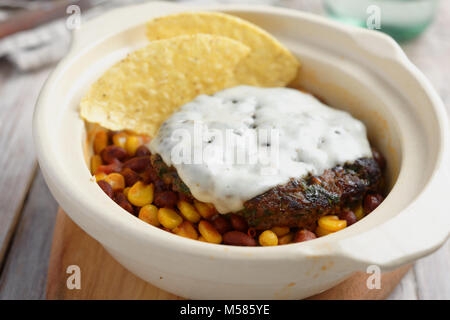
202,239
206,210
96,161
100,176
125,191
149,214
119,139
100,141
322,232
141,194
268,238
287,238
188,211
131,145
187,230
208,232
169,218
280,231
129,132
331,223
116,180
359,212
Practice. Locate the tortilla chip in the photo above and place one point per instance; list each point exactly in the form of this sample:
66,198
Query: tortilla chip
141,91
269,63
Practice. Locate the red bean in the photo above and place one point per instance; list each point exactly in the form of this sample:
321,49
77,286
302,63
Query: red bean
112,153
222,224
165,199
238,223
116,166
130,176
150,175
160,186
304,235
371,202
142,151
138,164
153,174
252,232
183,196
348,216
145,177
237,238
106,187
122,201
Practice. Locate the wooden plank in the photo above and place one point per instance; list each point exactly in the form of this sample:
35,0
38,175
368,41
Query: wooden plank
407,288
432,273
103,278
355,288
25,273
431,51
17,162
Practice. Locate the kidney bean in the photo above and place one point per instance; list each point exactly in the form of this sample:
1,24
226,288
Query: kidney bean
160,186
304,235
371,202
150,175
251,232
348,216
122,201
237,238
142,151
106,187
112,153
130,176
238,223
184,197
145,177
165,199
115,166
222,224
379,158
138,164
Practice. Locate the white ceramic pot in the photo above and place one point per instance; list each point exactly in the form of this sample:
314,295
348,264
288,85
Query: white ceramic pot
362,71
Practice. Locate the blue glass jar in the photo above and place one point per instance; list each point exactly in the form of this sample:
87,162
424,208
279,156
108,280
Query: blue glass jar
402,19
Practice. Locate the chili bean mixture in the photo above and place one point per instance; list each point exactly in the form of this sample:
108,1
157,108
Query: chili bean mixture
144,186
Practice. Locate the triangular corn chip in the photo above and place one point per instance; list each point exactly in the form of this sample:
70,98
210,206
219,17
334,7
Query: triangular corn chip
141,91
269,63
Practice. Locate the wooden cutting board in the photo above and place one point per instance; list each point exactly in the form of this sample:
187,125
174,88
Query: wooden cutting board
104,278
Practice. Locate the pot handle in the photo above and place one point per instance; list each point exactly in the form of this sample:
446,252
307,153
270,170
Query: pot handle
420,229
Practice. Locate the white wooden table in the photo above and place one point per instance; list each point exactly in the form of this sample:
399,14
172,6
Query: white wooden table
27,209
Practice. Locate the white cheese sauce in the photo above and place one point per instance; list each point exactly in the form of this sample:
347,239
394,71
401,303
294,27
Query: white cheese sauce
300,135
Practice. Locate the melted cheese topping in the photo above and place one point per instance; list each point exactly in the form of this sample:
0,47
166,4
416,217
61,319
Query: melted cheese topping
243,141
